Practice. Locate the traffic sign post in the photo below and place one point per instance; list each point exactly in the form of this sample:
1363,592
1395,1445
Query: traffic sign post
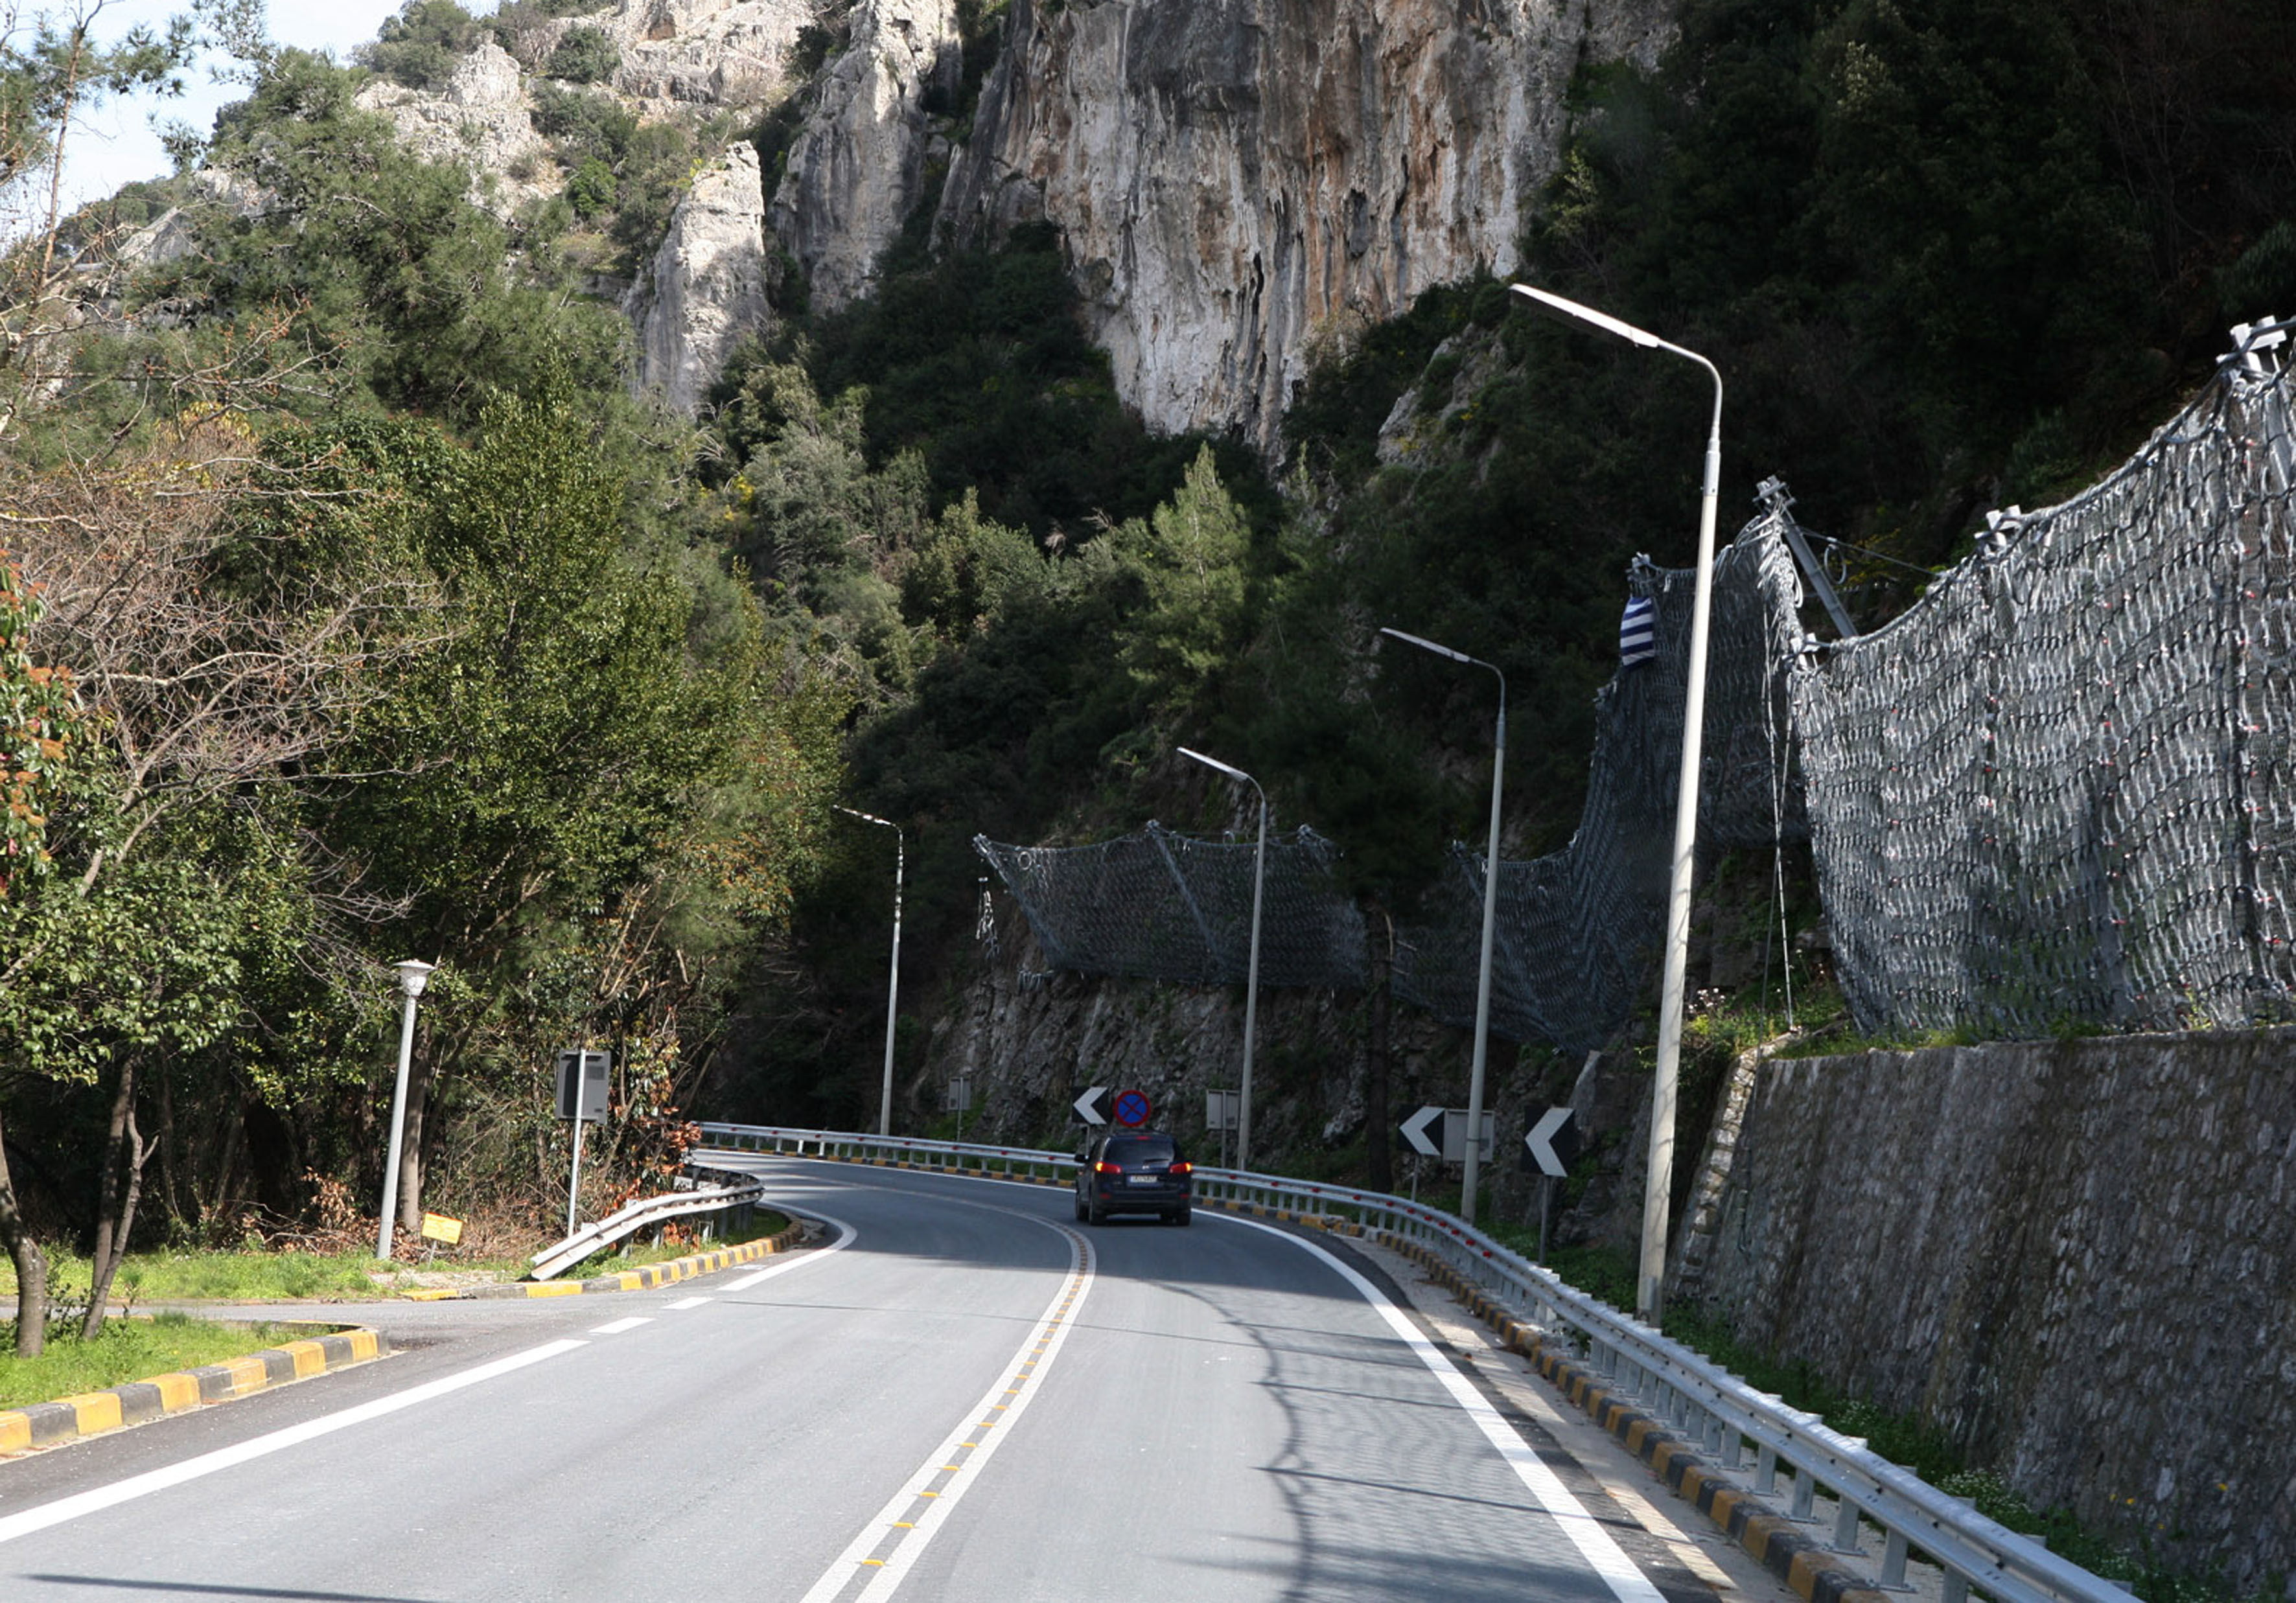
582,1087
1221,1109
1550,1146
1441,1133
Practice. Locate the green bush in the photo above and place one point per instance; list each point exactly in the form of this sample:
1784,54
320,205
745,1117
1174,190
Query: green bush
591,189
422,46
583,55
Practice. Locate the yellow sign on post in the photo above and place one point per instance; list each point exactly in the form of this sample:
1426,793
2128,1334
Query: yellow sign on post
437,1227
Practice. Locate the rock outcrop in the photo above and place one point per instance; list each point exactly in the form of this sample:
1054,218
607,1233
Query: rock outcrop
706,287
480,120
1236,178
858,166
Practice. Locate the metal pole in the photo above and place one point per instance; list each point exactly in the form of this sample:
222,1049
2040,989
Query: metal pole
893,983
1251,989
574,1179
1658,1185
1252,969
1469,1182
398,1128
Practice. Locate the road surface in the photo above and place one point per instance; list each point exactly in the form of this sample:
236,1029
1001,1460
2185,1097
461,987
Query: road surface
960,1394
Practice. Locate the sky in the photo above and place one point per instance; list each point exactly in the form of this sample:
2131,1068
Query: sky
117,144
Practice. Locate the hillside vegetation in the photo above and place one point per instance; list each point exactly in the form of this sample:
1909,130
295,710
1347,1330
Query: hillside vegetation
375,620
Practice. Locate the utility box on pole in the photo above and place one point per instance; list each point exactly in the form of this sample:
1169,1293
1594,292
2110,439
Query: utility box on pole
582,1086
582,1077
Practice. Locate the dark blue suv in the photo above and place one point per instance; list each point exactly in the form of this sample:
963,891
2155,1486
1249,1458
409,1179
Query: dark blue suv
1133,1172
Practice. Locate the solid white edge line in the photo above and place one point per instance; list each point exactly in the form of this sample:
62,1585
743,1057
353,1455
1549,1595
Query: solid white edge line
1603,1555
100,1498
97,1499
843,1569
845,1235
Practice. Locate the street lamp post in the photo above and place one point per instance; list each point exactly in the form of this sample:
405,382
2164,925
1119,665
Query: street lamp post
1658,1185
893,984
1251,967
1475,1074
412,975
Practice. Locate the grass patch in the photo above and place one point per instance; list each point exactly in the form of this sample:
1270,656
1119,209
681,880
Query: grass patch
215,1276
125,1350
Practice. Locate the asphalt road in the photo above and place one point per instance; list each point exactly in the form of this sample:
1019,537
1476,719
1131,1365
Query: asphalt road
960,1394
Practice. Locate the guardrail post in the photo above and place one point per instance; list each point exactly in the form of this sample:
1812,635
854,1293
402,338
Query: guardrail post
1805,1496
1766,1468
1845,1524
1893,1560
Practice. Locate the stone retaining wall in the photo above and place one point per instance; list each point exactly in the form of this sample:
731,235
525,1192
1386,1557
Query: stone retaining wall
2076,1259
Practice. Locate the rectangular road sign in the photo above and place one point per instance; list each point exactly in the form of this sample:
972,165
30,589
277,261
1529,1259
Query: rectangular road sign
437,1227
1222,1110
582,1084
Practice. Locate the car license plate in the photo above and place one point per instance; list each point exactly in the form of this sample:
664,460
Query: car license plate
1140,1180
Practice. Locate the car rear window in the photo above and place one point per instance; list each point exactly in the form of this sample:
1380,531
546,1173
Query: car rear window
1142,1149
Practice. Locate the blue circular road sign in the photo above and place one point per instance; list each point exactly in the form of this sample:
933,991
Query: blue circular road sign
1131,1107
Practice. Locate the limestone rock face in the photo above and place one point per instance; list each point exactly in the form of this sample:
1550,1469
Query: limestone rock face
856,166
480,120
706,287
1237,178
695,53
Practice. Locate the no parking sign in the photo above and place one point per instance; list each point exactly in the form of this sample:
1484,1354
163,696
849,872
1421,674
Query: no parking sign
1132,1108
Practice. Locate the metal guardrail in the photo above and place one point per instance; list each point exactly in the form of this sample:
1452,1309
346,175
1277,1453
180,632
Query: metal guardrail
650,1210
1694,1395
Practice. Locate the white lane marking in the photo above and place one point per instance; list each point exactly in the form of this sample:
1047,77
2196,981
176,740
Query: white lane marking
1050,1331
620,1325
225,1458
1627,1583
97,1499
683,1302
845,1234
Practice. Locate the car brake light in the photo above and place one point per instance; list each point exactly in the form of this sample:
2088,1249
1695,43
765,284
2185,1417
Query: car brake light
1105,1167
1184,1167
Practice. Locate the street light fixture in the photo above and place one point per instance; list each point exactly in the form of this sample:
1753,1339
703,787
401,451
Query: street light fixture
893,984
413,974
1475,1075
1658,1185
1251,967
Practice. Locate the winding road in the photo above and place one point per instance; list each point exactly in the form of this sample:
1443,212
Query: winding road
959,1393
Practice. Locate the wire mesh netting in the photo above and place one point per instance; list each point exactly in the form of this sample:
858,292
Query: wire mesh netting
2059,790
1576,931
1158,904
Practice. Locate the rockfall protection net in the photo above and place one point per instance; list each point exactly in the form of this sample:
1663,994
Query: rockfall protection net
1157,904
2059,788
1576,929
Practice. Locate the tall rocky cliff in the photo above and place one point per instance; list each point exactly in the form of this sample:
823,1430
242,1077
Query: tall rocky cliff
1235,179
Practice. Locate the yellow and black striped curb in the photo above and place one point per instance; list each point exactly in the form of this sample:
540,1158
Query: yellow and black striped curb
635,1279
1777,1543
91,1413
